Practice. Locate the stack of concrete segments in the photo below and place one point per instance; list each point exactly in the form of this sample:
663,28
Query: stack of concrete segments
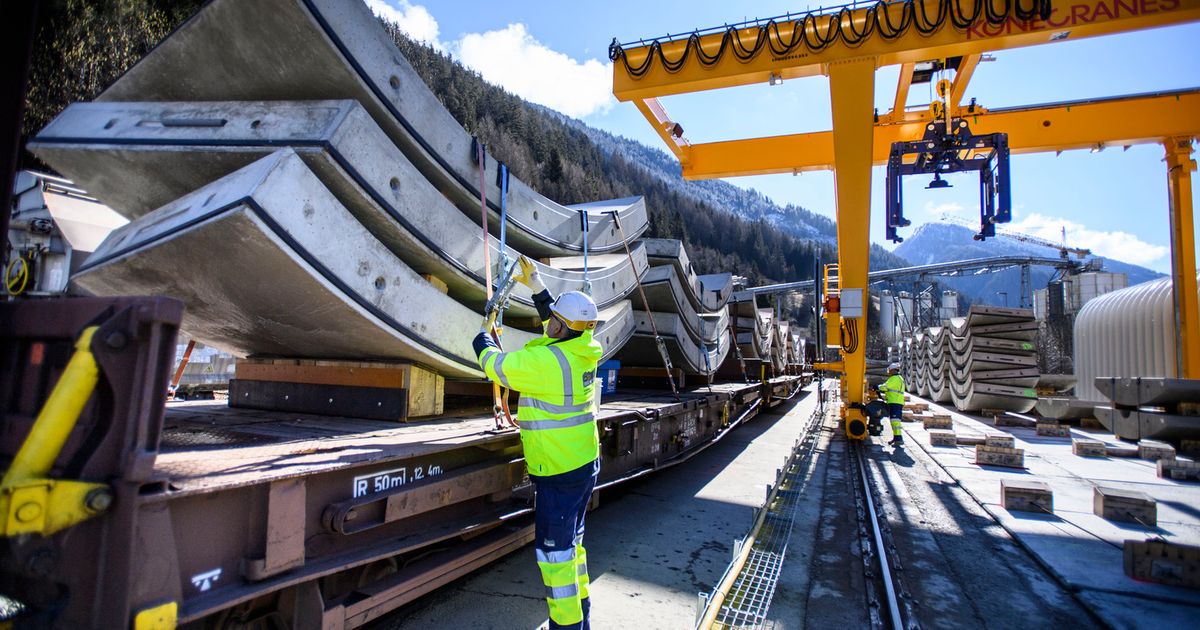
141,156
993,359
307,196
751,330
910,362
1150,407
295,50
919,384
267,270
937,357
690,313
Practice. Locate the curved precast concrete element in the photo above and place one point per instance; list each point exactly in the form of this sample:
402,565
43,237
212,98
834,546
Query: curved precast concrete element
977,361
147,154
1137,424
1063,408
279,50
977,343
976,396
686,352
980,315
708,292
260,258
1019,377
939,386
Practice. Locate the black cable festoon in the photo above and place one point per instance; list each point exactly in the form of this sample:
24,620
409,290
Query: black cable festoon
817,30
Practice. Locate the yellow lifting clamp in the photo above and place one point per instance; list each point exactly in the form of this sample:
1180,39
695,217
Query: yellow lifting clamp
31,502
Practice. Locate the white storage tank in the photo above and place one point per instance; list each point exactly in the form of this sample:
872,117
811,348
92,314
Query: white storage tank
1040,297
887,315
949,307
1130,332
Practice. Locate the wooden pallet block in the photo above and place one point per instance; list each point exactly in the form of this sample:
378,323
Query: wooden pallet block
999,456
1127,506
1053,429
424,390
1009,420
1154,450
971,440
1163,562
1023,495
1120,450
942,437
1088,448
1002,440
1090,423
938,421
1178,470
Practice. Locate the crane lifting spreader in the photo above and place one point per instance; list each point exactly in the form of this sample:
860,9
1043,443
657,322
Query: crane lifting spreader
924,37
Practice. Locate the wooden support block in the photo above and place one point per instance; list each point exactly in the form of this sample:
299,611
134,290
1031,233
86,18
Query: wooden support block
1120,450
971,440
907,417
938,421
1154,450
942,437
1189,447
1009,420
1090,423
1178,470
999,456
1053,429
1163,562
1020,495
424,391
1088,448
1127,506
999,439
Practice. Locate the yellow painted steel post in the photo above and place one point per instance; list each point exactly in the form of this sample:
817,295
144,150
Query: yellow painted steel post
57,418
852,94
1183,255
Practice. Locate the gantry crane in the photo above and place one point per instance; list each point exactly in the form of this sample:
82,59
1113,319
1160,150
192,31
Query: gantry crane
926,38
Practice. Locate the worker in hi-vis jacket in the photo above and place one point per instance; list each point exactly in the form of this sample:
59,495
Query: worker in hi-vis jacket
556,377
893,393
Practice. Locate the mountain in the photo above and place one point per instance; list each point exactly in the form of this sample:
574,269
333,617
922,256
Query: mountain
944,242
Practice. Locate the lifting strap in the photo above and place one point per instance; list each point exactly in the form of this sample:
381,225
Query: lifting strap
587,283
736,348
500,410
658,341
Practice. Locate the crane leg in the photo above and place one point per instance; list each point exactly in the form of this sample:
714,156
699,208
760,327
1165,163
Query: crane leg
1183,255
852,93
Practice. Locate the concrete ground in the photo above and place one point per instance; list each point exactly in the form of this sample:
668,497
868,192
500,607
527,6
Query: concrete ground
653,544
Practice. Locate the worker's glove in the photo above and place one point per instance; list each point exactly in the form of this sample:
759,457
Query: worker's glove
489,321
527,274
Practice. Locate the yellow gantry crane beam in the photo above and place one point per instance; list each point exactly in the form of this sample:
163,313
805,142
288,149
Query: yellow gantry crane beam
848,44
1068,20
1093,124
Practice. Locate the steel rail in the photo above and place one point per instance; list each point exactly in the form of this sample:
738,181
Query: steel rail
885,571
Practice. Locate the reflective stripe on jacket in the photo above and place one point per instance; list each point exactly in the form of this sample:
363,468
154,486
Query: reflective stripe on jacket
557,408
893,389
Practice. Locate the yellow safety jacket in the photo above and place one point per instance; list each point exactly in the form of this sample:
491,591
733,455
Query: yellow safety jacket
557,408
893,390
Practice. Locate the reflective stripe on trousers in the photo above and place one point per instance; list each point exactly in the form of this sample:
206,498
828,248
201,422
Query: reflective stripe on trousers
559,514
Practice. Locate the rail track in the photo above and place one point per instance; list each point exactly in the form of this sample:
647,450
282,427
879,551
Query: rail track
890,606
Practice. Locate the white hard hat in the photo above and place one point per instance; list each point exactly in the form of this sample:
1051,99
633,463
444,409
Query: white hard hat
895,367
577,310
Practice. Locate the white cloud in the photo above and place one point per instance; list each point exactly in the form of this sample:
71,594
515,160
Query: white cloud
514,60
413,19
936,211
1118,245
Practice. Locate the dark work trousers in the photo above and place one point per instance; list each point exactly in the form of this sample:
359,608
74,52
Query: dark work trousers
560,508
896,411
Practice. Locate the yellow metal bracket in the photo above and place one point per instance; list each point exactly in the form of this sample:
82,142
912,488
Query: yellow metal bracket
31,502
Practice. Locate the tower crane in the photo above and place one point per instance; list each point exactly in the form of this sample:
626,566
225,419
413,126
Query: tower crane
1064,250
924,37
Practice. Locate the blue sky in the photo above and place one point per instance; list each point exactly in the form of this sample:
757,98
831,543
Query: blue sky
1114,201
